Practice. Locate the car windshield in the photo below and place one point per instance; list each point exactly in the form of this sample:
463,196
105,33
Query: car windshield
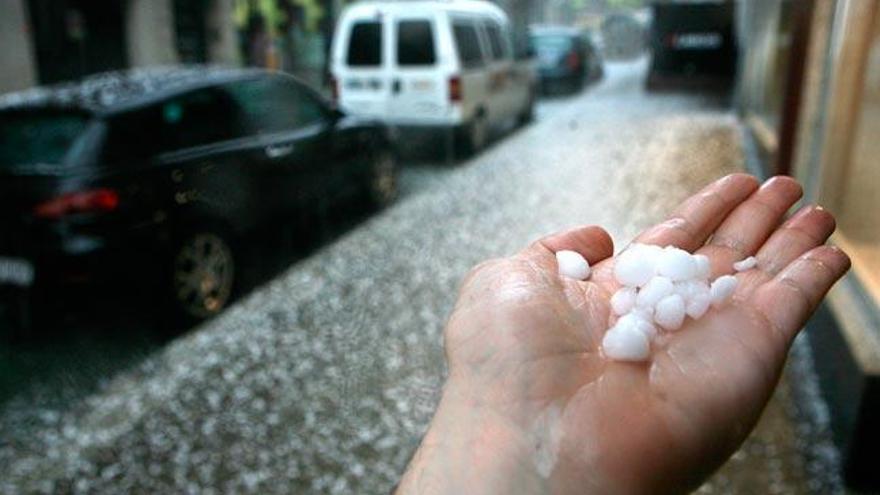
36,138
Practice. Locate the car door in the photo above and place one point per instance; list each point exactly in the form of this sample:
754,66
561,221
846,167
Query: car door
363,75
418,88
294,132
503,83
474,80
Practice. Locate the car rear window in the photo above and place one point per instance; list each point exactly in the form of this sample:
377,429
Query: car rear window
552,43
415,43
468,42
365,44
31,138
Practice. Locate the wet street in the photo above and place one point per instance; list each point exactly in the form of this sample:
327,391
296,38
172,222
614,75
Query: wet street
323,379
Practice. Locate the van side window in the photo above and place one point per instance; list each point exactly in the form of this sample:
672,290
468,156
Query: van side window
496,42
415,43
365,44
468,42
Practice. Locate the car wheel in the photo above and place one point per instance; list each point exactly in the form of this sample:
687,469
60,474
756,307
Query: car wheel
203,275
528,114
383,178
476,135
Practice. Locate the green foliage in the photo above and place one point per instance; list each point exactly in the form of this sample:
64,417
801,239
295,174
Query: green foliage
626,4
274,16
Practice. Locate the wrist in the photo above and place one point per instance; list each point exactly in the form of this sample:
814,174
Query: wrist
471,448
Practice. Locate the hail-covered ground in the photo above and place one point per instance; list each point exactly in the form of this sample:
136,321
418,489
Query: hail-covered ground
324,379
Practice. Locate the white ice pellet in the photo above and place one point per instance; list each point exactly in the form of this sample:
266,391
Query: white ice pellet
746,264
633,320
623,300
698,304
644,312
670,312
626,344
722,289
655,290
690,288
704,268
676,264
572,265
635,266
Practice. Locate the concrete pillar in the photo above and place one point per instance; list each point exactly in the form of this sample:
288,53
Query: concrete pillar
17,63
150,33
221,33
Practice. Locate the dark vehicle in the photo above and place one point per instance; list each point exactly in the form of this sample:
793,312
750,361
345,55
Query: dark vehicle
567,58
692,44
156,175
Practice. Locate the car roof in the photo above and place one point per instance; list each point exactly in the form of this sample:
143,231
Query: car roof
370,8
110,92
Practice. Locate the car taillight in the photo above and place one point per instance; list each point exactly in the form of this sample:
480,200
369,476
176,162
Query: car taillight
454,89
572,61
94,201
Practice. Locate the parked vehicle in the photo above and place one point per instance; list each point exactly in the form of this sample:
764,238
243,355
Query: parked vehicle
567,57
157,175
432,64
692,44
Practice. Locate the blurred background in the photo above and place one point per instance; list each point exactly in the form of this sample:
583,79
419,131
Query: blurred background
231,230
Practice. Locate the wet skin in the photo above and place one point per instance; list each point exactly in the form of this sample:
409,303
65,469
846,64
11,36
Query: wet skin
532,406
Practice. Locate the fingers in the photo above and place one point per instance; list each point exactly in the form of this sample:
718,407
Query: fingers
592,242
809,227
695,220
749,225
788,300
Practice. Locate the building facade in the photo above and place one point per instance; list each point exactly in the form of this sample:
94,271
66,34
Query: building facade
47,41
809,92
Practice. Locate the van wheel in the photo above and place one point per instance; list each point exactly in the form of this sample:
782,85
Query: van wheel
527,116
203,275
383,178
475,136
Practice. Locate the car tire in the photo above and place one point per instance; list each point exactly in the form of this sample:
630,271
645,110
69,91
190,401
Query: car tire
383,183
203,276
527,116
476,136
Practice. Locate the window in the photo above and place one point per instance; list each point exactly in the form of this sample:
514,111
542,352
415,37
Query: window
496,41
174,124
365,44
468,42
415,43
31,138
273,105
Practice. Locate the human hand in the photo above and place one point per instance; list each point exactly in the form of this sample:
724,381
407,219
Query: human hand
532,406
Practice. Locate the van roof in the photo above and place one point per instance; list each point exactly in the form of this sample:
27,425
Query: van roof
370,8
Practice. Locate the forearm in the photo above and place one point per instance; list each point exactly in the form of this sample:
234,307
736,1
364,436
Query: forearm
470,448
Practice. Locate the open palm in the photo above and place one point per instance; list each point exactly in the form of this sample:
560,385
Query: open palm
523,346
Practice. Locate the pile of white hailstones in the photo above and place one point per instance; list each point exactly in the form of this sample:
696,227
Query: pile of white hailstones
661,287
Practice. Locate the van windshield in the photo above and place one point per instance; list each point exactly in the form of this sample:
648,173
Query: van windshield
365,44
35,138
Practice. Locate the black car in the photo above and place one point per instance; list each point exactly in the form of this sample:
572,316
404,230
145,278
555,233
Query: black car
567,57
692,44
156,175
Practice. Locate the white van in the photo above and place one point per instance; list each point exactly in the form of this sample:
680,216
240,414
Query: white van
445,64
